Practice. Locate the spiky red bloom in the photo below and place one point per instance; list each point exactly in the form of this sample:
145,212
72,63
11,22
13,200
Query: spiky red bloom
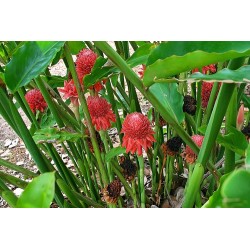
70,91
205,93
206,69
190,156
100,112
35,100
138,133
84,64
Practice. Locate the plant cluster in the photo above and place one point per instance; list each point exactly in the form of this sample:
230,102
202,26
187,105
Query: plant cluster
192,138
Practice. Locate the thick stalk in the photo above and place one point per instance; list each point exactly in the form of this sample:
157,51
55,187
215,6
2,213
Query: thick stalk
141,176
231,116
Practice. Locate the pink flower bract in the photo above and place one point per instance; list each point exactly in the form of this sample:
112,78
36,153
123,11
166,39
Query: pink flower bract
138,133
70,91
100,112
35,100
190,156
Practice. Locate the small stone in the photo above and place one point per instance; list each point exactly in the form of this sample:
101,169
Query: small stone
14,143
18,191
6,153
19,163
7,142
147,172
64,156
122,191
154,206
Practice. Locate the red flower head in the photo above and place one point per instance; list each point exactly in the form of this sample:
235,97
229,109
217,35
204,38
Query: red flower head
206,69
138,133
84,63
70,91
190,156
100,112
142,70
205,93
35,100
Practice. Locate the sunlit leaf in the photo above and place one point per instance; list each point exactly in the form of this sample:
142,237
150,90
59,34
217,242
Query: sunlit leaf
39,193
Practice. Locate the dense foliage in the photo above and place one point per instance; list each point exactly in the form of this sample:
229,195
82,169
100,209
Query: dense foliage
188,147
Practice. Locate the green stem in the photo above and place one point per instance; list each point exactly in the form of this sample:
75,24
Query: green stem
231,116
211,102
141,176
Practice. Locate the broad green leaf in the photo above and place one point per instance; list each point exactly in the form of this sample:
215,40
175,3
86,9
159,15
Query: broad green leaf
236,189
39,193
172,58
29,61
114,152
170,98
234,140
225,75
55,134
141,55
140,43
76,46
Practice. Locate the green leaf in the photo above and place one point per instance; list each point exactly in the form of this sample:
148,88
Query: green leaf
170,98
98,72
236,189
39,193
172,58
2,77
246,100
55,134
29,61
141,55
48,120
114,152
225,75
234,140
55,81
76,46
